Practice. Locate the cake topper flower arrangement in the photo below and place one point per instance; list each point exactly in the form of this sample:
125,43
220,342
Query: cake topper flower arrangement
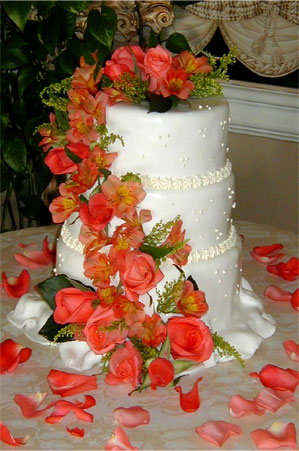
121,261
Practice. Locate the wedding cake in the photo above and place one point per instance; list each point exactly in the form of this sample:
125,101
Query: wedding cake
148,259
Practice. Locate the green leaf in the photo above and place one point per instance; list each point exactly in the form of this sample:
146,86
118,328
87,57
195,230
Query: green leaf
165,350
15,154
44,6
67,62
49,31
72,156
26,78
72,6
194,283
102,26
177,42
153,40
51,329
34,208
42,175
19,57
49,287
156,252
182,365
158,104
18,12
68,23
5,176
62,119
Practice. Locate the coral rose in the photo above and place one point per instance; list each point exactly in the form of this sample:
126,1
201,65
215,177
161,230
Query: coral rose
125,366
123,60
100,336
139,274
73,305
161,372
190,339
59,163
157,62
96,214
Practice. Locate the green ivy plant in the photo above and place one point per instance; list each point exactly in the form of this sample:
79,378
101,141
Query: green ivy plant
37,50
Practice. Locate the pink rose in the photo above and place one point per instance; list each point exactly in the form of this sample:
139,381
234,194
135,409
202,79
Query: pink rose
73,305
161,372
96,214
59,163
157,62
139,274
190,339
125,366
99,335
124,60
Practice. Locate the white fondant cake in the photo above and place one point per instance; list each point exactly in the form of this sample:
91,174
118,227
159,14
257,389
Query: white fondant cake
181,157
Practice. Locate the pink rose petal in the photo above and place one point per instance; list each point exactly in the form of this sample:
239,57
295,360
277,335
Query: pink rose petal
266,259
271,399
217,432
277,294
131,417
15,287
66,384
295,300
37,259
279,435
30,404
239,406
119,441
24,246
266,250
292,350
63,408
6,437
277,378
11,355
190,401
76,432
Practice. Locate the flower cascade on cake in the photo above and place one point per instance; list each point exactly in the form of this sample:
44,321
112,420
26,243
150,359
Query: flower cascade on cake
121,261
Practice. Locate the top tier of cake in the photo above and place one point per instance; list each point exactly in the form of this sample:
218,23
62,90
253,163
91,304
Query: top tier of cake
183,146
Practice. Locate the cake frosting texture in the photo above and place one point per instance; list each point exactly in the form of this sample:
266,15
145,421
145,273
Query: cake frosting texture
181,158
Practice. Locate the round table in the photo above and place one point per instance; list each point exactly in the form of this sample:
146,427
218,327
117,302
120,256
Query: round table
170,428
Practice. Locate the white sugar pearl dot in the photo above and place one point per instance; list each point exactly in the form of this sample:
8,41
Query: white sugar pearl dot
59,265
210,159
197,219
59,255
55,270
201,237
229,120
227,220
220,281
200,107
222,144
230,197
216,230
194,212
200,212
203,136
216,271
226,295
224,122
229,188
211,200
209,107
232,191
205,129
224,271
241,269
227,149
234,205
199,131
221,123
224,212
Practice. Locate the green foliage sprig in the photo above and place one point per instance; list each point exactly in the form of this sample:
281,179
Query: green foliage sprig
147,352
226,349
55,93
159,232
69,331
107,138
130,177
167,300
132,87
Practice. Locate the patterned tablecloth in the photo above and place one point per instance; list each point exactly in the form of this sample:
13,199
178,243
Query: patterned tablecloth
170,428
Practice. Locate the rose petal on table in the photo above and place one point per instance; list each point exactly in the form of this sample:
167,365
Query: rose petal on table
279,435
76,432
6,437
30,404
295,300
63,408
292,349
24,246
266,250
288,271
119,441
239,406
33,259
272,400
266,259
131,417
276,293
278,378
66,384
49,250
15,287
89,401
11,355
189,401
217,432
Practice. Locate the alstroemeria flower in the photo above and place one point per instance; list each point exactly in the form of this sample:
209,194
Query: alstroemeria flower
11,355
277,378
98,268
52,136
261,253
239,406
292,349
279,435
288,271
150,330
84,76
176,83
123,196
30,404
87,174
189,401
62,207
119,441
217,432
102,158
295,300
131,417
192,302
277,294
191,64
6,437
161,372
76,432
37,259
96,106
272,400
63,408
125,366
176,236
67,384
15,287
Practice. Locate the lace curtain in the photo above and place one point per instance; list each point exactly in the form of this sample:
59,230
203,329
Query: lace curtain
264,32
